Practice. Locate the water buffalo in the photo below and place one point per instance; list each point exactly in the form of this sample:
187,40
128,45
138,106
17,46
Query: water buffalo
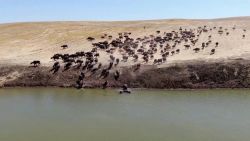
110,65
79,64
67,66
117,75
55,67
104,73
90,39
56,57
196,50
187,46
125,58
212,52
136,67
158,61
105,85
177,51
35,63
112,58
216,44
82,76
136,57
117,61
79,84
64,46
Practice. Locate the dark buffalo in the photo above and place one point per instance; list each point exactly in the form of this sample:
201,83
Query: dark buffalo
35,63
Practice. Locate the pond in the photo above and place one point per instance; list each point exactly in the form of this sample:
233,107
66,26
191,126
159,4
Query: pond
51,114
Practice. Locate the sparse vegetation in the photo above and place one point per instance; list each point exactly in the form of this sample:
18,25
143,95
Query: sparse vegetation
191,76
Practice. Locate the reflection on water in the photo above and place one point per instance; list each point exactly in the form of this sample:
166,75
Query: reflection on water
147,115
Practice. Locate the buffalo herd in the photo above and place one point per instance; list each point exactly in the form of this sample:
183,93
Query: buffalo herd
154,49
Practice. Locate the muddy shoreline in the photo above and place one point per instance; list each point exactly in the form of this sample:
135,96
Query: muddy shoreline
235,74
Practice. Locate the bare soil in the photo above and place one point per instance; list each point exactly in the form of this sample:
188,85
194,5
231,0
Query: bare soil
179,76
21,43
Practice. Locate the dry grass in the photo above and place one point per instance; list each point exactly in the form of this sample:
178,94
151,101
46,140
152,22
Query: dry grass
21,43
190,76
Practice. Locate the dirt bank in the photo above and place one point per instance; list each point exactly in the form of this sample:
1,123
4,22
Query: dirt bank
197,75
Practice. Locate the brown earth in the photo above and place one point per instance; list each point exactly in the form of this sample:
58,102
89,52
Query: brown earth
200,75
21,43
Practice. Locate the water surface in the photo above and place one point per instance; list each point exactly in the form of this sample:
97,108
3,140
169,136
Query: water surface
103,115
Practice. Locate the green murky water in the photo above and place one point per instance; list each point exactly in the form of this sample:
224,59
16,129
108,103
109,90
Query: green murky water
146,115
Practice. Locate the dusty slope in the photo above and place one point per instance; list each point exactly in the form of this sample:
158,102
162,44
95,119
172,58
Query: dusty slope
21,43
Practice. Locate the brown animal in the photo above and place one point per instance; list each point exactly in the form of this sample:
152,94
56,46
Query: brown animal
104,73
67,66
216,44
117,75
112,58
105,85
136,57
55,67
90,39
117,61
125,58
64,46
35,63
196,50
137,67
212,52
177,51
220,32
158,61
187,46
